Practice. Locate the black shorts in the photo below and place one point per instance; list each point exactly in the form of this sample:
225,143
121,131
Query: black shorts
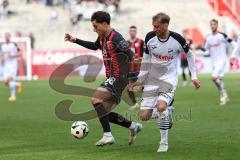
116,87
133,76
184,63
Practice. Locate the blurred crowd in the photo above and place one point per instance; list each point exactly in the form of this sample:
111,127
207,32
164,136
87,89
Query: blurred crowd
78,9
5,10
83,9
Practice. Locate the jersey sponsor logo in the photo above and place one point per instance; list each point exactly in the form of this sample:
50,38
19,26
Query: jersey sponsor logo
163,58
214,45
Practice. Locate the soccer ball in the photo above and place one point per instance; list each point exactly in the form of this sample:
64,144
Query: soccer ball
79,129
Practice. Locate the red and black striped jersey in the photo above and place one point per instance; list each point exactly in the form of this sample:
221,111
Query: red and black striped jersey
137,47
115,50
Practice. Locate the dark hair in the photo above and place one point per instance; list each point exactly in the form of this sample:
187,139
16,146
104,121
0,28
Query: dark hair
161,17
101,17
214,20
132,27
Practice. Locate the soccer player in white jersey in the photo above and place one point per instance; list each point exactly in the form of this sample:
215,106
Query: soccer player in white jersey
10,55
216,44
159,75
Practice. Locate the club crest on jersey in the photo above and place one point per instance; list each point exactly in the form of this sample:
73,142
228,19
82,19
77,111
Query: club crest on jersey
170,50
152,47
110,46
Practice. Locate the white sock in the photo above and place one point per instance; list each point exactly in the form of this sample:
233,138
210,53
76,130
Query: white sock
12,87
13,84
133,125
12,92
108,134
164,136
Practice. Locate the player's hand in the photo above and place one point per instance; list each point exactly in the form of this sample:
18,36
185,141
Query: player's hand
232,60
135,86
69,38
196,83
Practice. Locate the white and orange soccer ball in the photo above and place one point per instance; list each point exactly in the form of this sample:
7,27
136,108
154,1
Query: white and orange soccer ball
79,129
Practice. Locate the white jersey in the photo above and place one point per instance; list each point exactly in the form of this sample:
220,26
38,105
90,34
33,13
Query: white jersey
7,50
216,44
163,57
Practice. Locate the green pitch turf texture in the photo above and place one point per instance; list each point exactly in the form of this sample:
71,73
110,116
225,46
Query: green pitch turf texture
203,130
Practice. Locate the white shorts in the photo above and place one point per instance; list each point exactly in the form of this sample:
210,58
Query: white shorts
9,72
219,69
152,95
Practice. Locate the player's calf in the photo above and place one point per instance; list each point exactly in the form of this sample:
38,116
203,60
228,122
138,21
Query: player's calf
165,123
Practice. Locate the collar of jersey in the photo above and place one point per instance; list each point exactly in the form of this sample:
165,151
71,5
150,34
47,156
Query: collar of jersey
164,40
107,34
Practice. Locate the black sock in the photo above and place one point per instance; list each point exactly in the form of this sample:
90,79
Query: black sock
119,120
184,76
190,75
220,85
103,117
132,96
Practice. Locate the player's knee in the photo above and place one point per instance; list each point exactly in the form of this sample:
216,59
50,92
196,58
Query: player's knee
161,106
214,78
145,116
6,82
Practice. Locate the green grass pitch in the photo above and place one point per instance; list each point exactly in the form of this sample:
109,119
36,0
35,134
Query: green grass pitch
203,130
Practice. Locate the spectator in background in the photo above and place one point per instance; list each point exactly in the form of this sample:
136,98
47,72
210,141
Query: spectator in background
84,9
5,8
117,4
30,1
65,4
32,39
49,2
53,19
111,8
19,34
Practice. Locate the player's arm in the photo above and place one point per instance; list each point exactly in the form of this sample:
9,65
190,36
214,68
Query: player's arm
120,45
191,62
142,48
143,74
86,44
145,66
1,57
146,59
204,48
235,52
228,41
